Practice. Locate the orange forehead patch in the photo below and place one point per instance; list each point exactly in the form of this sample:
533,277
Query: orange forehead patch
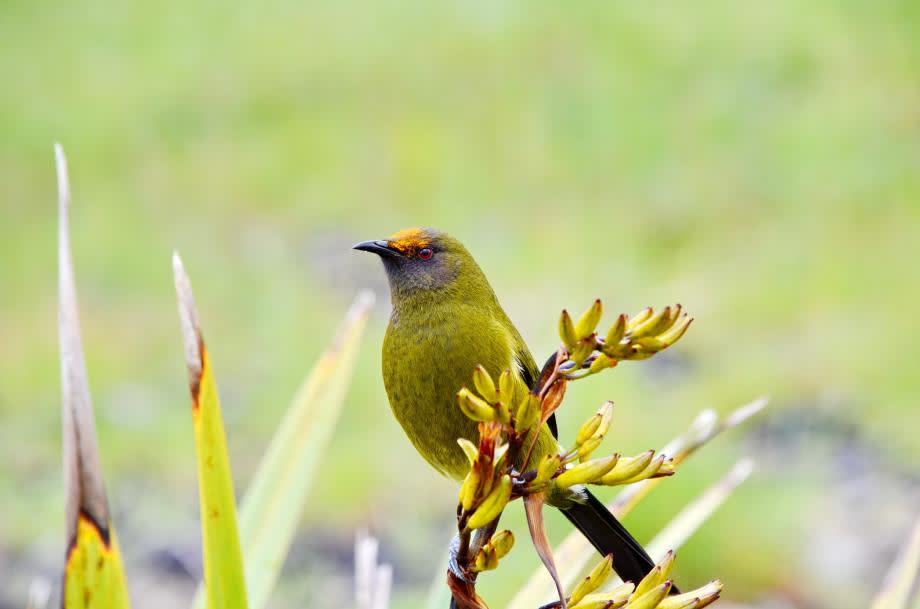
409,241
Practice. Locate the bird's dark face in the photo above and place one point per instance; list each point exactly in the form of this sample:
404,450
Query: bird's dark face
421,259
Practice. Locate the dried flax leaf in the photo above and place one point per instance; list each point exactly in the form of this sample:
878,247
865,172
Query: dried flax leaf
903,576
676,532
704,428
373,580
93,572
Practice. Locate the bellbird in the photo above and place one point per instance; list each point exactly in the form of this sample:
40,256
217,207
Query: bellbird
445,321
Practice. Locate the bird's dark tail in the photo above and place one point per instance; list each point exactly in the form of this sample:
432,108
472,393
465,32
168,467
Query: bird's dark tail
608,536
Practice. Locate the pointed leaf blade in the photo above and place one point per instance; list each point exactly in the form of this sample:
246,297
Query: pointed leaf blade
223,563
274,502
676,532
903,577
93,571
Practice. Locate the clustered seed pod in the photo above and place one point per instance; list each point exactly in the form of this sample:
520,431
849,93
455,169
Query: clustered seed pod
593,581
638,468
695,599
646,333
546,469
496,402
482,491
593,430
491,553
528,413
485,385
650,593
587,472
492,505
509,421
629,338
580,338
616,470
475,407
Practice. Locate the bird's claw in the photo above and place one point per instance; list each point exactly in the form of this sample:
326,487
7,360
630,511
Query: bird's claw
453,563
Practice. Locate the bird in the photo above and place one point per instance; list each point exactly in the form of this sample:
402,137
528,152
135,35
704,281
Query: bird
446,320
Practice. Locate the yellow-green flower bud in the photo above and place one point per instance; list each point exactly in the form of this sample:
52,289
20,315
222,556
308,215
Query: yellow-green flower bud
469,490
590,445
486,559
675,313
587,430
485,385
502,541
589,320
547,468
652,598
492,505
666,564
677,330
597,425
651,470
600,600
617,331
623,591
489,555
637,353
502,412
601,362
606,412
567,330
582,350
651,344
626,468
594,601
652,578
585,473
500,454
681,602
506,387
528,413
638,318
593,581
694,599
654,325
474,407
469,449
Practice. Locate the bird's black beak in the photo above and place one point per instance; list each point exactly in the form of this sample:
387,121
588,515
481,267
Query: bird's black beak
377,246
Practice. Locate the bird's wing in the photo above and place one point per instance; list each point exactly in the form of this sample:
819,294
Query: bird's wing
530,373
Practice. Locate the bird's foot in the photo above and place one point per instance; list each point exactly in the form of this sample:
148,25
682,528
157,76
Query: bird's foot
453,563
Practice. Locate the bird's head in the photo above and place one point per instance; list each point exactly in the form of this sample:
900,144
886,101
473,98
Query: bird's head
421,260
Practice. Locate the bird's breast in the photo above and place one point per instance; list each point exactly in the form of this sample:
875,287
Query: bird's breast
427,357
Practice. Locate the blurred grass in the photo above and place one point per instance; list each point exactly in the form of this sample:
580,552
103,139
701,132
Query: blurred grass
759,163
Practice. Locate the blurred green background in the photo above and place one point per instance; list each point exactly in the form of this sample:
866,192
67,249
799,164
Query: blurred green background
758,162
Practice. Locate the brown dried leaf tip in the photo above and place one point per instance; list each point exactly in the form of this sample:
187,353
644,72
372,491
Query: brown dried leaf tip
191,328
83,485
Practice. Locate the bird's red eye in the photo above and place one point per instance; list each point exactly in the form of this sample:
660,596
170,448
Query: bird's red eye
425,253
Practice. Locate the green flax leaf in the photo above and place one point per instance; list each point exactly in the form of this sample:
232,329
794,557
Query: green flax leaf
223,564
271,509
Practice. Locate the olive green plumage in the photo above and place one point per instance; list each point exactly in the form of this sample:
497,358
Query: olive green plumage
441,327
